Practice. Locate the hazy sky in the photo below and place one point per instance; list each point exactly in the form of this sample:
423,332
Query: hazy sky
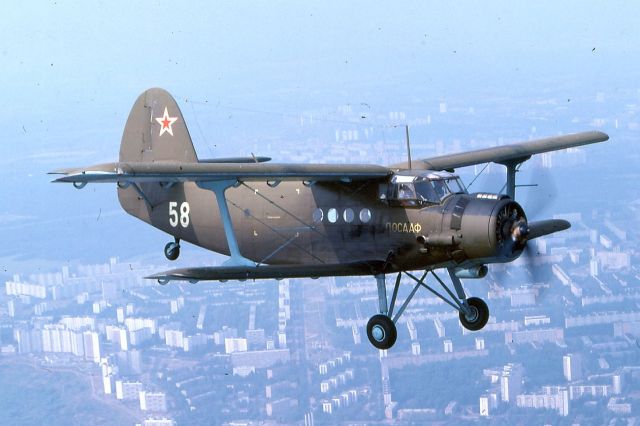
74,67
56,53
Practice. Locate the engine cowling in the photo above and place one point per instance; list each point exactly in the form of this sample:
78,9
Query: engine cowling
493,229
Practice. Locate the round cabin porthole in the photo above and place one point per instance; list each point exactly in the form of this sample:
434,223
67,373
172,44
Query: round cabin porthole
348,215
365,215
332,215
318,214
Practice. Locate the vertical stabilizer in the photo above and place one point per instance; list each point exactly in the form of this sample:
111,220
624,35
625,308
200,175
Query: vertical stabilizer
156,131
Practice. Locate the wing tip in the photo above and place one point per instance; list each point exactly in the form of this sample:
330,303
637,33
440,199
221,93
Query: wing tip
600,136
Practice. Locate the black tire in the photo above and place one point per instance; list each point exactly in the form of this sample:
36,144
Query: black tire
481,314
172,251
381,331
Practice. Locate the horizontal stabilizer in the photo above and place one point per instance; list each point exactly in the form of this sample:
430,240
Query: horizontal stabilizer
223,273
546,227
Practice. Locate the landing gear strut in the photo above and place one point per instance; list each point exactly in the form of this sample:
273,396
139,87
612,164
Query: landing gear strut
172,250
381,328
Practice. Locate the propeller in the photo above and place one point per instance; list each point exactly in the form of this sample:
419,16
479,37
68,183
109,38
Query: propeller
537,198
540,229
540,194
516,234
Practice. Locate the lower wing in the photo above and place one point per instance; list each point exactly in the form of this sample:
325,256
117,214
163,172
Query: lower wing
223,273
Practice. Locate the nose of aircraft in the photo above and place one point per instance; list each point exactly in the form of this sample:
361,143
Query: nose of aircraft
493,228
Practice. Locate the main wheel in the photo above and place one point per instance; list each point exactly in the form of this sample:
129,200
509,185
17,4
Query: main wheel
172,251
478,315
381,331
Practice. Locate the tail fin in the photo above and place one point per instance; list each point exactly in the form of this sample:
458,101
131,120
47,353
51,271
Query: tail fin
155,131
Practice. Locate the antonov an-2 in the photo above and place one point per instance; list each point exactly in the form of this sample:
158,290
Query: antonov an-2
278,220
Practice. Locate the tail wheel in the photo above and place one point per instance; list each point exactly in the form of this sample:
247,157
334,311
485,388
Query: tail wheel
172,251
381,331
477,316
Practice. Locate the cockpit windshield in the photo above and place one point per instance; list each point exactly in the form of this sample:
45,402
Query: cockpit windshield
426,192
424,188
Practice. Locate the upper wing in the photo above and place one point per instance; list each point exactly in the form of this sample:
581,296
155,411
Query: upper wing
209,171
202,172
504,154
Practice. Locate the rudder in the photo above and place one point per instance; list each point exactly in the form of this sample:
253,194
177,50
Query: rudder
156,131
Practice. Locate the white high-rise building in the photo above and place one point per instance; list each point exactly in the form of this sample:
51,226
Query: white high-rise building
124,344
177,304
415,348
511,382
553,398
413,331
484,405
439,327
15,288
282,340
128,391
618,383
153,401
107,376
118,335
572,367
593,267
91,346
236,344
174,338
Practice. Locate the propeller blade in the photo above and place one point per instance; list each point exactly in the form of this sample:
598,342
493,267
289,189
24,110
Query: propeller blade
539,198
529,254
545,227
539,273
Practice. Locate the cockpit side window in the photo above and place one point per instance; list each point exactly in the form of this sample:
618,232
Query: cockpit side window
455,186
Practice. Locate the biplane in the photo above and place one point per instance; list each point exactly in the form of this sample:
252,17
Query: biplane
279,220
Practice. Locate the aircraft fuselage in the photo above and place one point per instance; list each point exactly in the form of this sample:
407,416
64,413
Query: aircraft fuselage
320,223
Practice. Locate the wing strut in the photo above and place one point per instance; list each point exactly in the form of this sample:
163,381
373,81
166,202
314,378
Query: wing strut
219,188
512,168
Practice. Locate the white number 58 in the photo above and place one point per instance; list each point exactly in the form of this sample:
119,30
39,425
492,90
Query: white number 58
179,216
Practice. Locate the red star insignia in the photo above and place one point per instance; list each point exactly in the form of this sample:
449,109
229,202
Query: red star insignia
166,122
